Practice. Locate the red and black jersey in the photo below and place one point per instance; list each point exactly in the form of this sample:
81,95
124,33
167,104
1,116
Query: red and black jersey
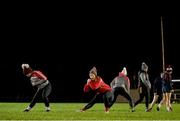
38,79
97,85
39,75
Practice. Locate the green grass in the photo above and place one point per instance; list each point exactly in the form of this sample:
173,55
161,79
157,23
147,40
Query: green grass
68,111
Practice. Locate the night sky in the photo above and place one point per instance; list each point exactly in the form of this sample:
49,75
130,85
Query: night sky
67,45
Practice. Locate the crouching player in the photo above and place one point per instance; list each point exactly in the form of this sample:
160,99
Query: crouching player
121,86
39,80
96,84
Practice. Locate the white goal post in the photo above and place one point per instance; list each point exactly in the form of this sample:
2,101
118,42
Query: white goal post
176,80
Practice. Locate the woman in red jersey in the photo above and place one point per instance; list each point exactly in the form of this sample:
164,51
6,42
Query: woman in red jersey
39,80
96,84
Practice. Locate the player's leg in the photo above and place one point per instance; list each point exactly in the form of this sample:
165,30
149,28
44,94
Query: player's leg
170,106
141,96
34,100
113,96
168,102
46,92
153,102
162,102
160,97
147,96
90,104
128,97
108,99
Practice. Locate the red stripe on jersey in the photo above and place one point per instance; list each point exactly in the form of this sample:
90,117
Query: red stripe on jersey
39,75
99,86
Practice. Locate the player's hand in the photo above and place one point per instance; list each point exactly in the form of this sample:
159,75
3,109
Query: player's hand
33,83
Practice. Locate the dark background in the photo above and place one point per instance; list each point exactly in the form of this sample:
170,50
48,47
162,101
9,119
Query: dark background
65,45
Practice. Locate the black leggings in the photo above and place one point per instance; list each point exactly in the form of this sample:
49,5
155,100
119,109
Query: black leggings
145,92
45,93
107,99
121,91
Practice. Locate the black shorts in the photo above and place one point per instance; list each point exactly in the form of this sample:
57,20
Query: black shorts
167,89
159,92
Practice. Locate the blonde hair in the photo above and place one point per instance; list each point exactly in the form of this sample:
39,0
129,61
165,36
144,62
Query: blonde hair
94,71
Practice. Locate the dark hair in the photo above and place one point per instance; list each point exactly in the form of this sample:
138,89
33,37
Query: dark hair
169,68
27,70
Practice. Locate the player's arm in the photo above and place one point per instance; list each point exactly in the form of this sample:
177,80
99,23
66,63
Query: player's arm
36,81
145,81
86,86
112,83
128,85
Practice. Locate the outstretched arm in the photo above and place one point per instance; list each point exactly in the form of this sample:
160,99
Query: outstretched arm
86,88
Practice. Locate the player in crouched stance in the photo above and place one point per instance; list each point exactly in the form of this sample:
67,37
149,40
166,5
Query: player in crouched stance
96,84
39,80
121,86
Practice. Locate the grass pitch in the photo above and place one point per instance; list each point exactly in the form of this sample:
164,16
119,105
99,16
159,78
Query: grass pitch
69,111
